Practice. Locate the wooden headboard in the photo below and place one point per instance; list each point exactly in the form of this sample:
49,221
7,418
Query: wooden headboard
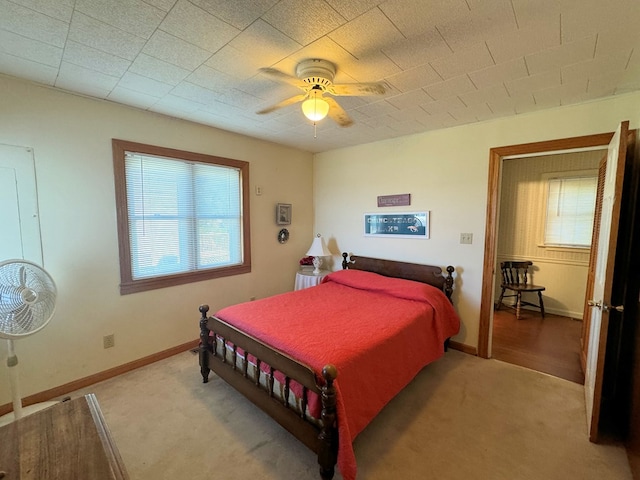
429,274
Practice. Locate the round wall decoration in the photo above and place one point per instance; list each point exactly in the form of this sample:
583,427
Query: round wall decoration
283,235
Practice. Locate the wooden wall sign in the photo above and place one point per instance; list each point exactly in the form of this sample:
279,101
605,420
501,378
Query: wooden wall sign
394,200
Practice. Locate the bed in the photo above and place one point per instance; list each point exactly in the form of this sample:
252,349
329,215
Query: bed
325,360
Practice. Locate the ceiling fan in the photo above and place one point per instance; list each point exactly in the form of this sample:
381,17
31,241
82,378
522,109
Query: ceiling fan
315,78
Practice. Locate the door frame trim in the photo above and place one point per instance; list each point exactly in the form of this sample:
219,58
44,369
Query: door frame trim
491,231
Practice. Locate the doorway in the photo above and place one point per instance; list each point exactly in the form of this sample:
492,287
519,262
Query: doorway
628,402
491,235
560,262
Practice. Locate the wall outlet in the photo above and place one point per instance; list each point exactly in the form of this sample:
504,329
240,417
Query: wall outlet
466,238
109,341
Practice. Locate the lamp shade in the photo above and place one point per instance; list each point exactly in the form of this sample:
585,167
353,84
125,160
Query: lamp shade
315,108
318,248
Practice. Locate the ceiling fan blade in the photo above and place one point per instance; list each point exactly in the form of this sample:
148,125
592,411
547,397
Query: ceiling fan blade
284,103
337,113
278,75
358,89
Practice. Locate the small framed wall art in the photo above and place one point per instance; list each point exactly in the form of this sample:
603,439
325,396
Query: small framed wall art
283,235
283,214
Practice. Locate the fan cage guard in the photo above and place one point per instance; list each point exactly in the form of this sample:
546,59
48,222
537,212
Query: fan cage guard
27,298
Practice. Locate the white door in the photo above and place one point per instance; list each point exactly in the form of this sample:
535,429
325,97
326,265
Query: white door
20,232
605,257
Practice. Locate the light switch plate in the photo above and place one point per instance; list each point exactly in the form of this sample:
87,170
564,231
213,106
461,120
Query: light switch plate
466,238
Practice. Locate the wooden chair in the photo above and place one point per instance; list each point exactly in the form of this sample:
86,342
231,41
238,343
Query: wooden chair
515,278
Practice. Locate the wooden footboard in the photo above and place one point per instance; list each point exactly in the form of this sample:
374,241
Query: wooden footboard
320,436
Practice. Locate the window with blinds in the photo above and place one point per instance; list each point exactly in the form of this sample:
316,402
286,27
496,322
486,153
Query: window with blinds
571,202
182,217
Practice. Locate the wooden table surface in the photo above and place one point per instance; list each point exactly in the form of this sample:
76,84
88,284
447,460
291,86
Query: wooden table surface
68,441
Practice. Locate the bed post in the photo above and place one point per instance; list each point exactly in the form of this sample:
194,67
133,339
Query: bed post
448,290
448,283
345,263
205,344
328,437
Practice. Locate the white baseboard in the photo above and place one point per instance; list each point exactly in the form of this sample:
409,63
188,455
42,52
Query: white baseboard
564,313
555,311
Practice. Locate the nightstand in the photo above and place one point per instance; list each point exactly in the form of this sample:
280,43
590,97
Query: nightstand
306,279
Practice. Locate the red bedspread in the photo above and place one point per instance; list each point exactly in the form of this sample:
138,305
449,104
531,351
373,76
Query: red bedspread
378,331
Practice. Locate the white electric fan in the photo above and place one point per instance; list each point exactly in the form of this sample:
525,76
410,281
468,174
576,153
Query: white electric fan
27,304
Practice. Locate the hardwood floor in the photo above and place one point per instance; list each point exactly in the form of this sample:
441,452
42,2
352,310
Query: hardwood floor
550,345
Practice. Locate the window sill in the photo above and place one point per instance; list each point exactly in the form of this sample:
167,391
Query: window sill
128,286
565,249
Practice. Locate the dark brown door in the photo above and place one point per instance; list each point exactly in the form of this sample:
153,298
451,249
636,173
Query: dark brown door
633,439
631,351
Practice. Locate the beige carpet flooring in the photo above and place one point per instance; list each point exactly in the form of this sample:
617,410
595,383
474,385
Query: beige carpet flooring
461,418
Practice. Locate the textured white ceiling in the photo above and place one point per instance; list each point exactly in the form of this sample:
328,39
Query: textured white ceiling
446,62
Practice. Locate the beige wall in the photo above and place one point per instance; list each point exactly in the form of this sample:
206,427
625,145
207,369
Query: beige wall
446,173
522,214
71,137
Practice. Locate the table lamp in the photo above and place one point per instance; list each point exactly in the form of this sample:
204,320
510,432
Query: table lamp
318,250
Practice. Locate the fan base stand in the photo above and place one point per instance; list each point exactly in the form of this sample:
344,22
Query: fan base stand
9,417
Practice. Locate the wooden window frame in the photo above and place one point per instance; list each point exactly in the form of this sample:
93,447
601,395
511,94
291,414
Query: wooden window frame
127,283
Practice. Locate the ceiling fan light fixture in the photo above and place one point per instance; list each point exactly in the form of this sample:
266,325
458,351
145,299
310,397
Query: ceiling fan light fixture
315,108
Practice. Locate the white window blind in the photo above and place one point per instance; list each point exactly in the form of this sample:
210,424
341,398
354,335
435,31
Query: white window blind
570,211
183,216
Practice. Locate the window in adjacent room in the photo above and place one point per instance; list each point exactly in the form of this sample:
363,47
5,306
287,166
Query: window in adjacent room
182,216
571,201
